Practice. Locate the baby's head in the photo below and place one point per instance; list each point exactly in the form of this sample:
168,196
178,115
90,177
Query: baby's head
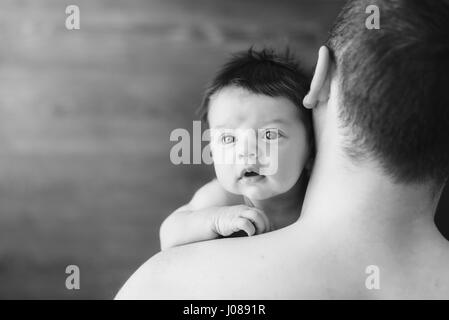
254,105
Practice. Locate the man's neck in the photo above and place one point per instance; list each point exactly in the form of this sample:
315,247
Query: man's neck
362,203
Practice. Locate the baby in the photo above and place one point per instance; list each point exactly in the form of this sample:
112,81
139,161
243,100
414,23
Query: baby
254,105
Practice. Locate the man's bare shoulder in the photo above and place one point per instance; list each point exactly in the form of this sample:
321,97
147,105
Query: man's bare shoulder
162,276
185,272
220,269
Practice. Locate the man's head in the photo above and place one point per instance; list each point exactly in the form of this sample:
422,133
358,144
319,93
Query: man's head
392,86
260,134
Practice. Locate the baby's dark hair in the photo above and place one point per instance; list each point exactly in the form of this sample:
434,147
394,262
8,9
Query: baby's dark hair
263,72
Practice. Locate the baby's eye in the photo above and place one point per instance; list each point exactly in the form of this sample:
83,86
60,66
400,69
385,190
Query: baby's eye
271,134
227,139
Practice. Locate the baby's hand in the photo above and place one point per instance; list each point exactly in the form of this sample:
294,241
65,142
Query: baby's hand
235,218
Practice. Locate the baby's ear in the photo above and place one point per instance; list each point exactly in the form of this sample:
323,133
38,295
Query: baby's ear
320,85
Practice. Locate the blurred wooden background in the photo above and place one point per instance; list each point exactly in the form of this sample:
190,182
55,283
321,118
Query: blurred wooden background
85,119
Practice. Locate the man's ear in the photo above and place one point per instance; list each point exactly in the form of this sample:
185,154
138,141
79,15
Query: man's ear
320,86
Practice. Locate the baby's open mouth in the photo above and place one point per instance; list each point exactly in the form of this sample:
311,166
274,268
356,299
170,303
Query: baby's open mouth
251,174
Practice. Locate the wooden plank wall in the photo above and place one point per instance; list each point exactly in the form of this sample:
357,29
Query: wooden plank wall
85,119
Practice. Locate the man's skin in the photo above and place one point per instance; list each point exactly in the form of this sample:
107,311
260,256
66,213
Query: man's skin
353,216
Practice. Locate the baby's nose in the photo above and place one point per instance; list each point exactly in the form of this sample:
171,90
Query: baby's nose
248,155
247,149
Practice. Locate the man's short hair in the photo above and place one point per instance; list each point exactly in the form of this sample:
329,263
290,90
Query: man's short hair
395,86
263,72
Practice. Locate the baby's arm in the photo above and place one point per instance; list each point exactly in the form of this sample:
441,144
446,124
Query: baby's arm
212,212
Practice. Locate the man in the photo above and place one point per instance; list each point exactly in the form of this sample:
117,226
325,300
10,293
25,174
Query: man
381,115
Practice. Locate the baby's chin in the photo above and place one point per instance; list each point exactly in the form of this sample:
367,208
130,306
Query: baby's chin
253,192
257,193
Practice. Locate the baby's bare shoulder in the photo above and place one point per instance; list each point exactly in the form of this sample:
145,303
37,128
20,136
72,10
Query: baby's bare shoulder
212,194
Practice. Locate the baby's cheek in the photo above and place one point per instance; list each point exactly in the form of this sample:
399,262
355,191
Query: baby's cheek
290,167
225,176
268,159
223,155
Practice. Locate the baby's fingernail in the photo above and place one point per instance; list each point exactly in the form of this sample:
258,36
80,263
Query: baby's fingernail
305,101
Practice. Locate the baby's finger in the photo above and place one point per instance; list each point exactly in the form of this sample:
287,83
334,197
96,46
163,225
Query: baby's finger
264,216
257,219
245,225
267,221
